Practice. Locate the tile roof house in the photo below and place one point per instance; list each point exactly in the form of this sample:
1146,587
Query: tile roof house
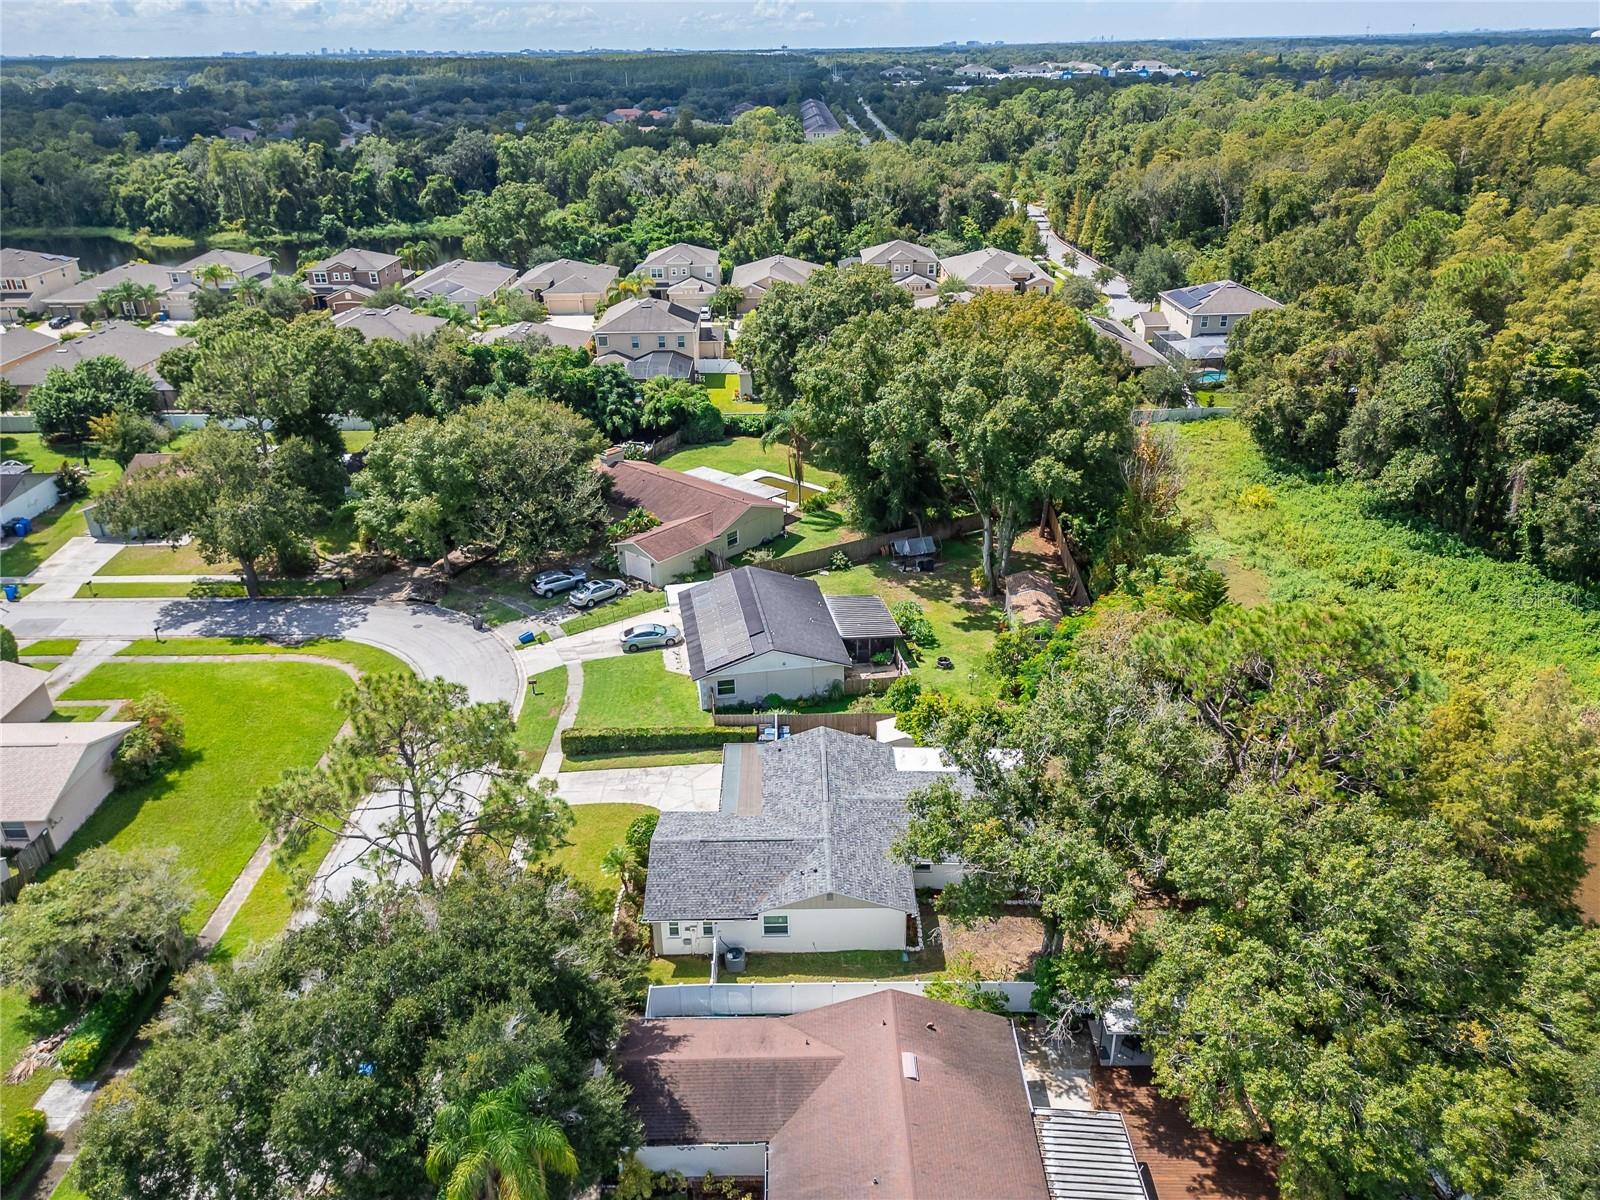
75,298
889,1094
138,348
913,267
1199,319
345,279
28,276
698,517
756,279
994,270
650,337
567,286
462,281
797,858
679,263
397,322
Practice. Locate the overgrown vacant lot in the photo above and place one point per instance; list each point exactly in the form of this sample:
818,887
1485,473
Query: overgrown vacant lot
1284,537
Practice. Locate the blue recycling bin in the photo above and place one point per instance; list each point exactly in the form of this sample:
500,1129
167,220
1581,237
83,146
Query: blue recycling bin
24,526
11,592
526,638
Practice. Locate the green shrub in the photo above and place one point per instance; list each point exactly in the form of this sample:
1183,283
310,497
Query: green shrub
840,561
8,645
815,503
914,623
72,480
641,741
902,694
154,746
19,1142
744,424
97,1031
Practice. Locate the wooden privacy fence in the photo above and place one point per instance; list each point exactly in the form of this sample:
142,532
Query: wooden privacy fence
860,550
861,724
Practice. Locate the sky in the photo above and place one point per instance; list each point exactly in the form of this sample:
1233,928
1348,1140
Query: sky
209,27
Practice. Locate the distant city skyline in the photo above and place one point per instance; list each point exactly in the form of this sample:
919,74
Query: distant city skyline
160,28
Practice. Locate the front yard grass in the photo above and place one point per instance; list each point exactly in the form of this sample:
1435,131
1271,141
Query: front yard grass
630,605
634,690
50,648
964,619
632,762
197,589
164,558
52,529
536,724
364,658
596,828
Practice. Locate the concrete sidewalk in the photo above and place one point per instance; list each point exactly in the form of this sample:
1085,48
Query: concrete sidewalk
61,575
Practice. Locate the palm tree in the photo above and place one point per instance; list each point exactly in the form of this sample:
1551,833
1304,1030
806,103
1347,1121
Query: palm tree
213,275
416,255
782,427
495,1148
129,298
624,288
249,290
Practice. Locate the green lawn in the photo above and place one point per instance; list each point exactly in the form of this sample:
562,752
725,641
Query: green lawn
536,724
806,968
634,690
1291,538
596,828
50,648
23,1022
364,658
964,619
78,712
630,605
741,454
632,762
186,588
52,529
724,392
356,439
161,558
813,531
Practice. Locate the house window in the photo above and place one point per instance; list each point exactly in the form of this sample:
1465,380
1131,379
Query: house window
733,538
319,277
680,341
635,343
727,687
1222,322
706,929
661,341
13,831
672,929
930,270
657,273
1205,322
775,926
372,276
600,339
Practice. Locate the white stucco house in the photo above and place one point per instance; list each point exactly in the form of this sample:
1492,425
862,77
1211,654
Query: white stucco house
797,857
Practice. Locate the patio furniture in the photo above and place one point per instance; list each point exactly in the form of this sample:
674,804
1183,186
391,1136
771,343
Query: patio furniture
915,554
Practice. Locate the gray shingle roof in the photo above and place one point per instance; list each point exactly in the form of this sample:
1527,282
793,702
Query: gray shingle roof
357,259
679,253
751,611
1223,296
992,267
138,348
463,279
87,291
567,275
23,263
898,250
397,322
769,272
832,804
647,315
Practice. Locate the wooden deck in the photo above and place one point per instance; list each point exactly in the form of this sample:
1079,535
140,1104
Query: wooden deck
1182,1160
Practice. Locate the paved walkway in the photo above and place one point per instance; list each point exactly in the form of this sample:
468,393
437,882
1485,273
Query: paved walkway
61,575
1058,1072
696,788
550,766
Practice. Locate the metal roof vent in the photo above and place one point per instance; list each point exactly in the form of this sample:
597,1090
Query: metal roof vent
908,1064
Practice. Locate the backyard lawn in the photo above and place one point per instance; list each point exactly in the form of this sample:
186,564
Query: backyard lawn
812,531
963,618
536,724
724,392
633,690
806,968
596,828
356,439
52,529
741,454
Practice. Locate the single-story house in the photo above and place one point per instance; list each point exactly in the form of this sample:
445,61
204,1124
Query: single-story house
57,773
521,331
1140,355
348,277
698,517
138,348
24,492
397,322
887,1095
73,299
568,287
19,343
751,633
797,858
27,277
994,270
756,279
463,281
817,120
1199,319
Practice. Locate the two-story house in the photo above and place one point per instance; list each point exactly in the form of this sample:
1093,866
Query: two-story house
346,279
914,267
690,271
190,277
653,337
756,279
28,276
1199,319
567,287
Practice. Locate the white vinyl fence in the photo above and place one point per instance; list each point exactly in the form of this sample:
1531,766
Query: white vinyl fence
782,999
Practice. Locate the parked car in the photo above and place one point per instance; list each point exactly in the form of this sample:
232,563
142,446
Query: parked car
549,583
60,322
648,637
597,591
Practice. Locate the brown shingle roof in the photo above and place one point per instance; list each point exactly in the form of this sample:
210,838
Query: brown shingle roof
692,511
829,1092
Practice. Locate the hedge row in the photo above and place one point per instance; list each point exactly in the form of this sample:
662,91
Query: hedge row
744,424
640,741
19,1141
96,1033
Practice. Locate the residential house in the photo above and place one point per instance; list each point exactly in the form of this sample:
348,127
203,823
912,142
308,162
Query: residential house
186,279
651,337
994,270
522,331
1140,355
1149,323
753,633
138,348
913,267
889,1094
622,116
901,72
396,321
681,263
349,277
1079,67
817,120
698,517
25,492
18,343
798,857
28,276
756,279
1199,319
463,281
240,133
566,286
57,773
73,299
978,71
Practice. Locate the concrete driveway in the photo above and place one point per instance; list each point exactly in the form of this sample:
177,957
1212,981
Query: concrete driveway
696,788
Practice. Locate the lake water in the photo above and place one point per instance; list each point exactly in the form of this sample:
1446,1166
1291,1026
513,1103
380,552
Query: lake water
97,254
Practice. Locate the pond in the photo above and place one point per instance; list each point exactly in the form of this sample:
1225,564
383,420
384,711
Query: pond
97,254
